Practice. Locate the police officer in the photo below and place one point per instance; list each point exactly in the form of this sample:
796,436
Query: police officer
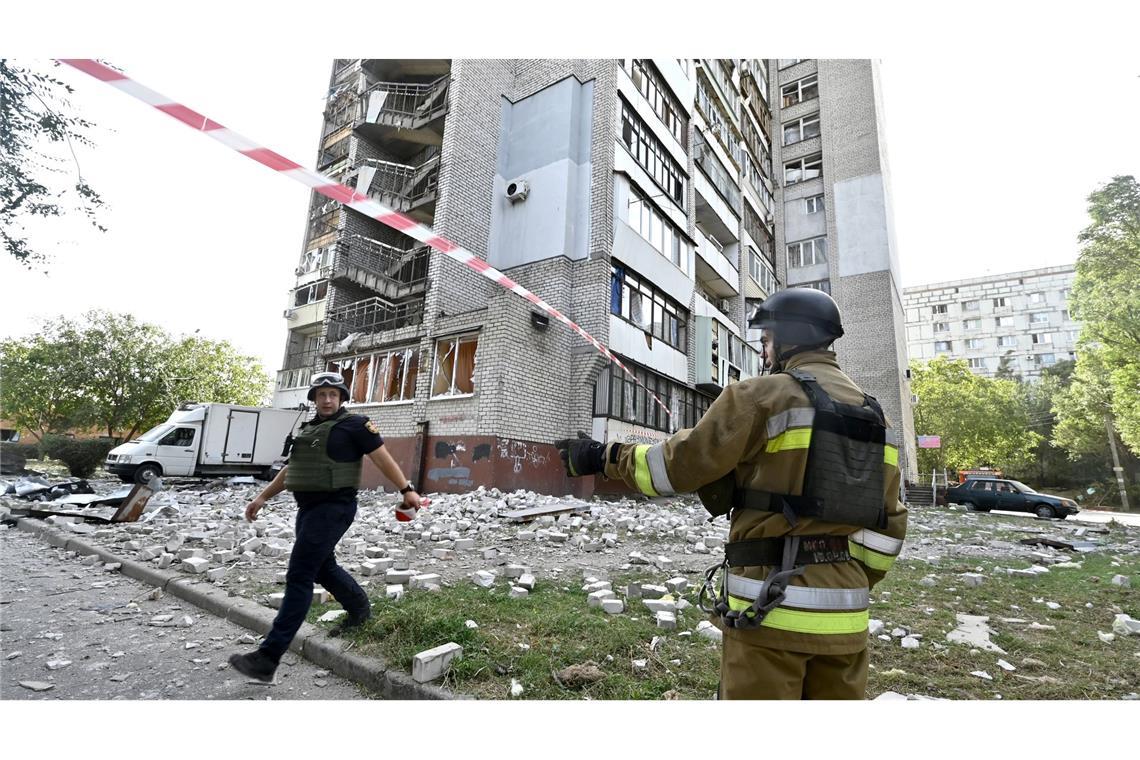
323,474
804,464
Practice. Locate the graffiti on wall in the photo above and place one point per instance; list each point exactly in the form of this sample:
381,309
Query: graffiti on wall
519,452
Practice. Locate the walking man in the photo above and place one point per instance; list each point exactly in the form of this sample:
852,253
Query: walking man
804,464
323,473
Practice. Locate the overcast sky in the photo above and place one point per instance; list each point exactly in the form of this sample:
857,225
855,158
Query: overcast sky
991,158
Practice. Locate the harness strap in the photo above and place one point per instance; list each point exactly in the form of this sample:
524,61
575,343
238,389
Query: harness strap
813,550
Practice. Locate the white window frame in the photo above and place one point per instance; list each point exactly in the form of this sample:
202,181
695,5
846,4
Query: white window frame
975,343
939,308
1007,341
1037,297
1006,321
783,63
457,339
800,126
940,327
796,90
1042,339
813,204
807,253
1001,302
1039,318
820,285
977,323
801,165
976,362
650,221
761,271
971,306
943,346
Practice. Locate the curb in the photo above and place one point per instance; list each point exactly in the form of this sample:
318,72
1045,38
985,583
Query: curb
310,642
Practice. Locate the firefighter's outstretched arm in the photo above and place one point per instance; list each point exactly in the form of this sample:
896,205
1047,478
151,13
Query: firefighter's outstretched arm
686,461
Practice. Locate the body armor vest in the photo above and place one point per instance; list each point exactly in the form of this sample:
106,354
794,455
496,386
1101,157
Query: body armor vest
310,466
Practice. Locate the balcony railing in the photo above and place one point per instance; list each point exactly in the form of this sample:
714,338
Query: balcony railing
373,315
400,104
301,359
401,186
390,271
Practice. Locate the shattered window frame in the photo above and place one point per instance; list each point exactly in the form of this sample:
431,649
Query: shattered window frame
446,351
375,385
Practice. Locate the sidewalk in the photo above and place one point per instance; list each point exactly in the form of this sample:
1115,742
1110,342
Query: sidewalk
310,643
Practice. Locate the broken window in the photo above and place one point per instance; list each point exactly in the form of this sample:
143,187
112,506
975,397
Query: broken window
801,129
311,293
396,375
359,387
454,366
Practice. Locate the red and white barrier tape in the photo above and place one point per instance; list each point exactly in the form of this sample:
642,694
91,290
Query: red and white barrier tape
330,188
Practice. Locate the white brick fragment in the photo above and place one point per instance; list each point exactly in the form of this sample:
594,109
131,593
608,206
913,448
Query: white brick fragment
613,605
196,565
433,663
518,592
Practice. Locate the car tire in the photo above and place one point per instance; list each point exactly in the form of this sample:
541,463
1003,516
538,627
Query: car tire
145,473
1044,511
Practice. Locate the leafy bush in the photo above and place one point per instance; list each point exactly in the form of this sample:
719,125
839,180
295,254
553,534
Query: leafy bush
82,456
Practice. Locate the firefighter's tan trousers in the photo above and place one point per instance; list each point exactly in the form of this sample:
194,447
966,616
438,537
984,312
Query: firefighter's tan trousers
750,671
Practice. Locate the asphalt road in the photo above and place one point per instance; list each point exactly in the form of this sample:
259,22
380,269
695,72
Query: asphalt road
85,632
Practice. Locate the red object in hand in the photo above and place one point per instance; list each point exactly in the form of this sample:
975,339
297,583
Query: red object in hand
407,514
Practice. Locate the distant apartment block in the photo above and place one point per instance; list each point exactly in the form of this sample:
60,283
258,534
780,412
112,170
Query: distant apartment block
654,201
1020,318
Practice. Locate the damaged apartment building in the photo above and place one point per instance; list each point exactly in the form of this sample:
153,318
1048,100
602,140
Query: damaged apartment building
655,202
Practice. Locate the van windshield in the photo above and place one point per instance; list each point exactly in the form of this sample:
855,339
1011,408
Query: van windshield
155,433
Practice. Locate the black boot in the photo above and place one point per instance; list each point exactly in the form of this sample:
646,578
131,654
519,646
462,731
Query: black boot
256,665
350,623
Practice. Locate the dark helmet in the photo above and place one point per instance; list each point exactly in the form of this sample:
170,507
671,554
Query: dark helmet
799,317
328,380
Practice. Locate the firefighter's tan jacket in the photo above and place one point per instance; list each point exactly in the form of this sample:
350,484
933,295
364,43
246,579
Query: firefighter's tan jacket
759,431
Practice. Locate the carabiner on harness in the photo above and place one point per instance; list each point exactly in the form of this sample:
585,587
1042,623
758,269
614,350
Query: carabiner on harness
772,591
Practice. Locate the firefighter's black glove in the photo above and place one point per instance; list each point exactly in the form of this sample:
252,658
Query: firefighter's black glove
581,456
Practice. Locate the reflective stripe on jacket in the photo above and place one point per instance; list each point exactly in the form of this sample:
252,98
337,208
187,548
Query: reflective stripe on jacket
758,431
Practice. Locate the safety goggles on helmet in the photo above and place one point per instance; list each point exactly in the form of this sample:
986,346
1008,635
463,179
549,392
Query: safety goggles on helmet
327,378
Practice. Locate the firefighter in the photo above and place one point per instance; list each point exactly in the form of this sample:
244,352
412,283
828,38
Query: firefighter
323,474
806,467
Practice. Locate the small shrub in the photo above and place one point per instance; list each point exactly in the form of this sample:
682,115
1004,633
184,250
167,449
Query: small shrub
82,456
13,458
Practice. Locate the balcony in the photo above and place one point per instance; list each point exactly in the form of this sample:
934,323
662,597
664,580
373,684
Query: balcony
717,265
306,314
301,359
405,68
391,272
410,112
403,187
372,315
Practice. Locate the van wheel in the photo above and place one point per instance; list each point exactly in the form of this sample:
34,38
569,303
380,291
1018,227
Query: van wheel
145,473
1045,512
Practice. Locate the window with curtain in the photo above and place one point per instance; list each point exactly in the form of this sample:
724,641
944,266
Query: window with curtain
454,366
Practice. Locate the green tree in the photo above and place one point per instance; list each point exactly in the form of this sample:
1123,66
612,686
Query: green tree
38,385
33,111
1106,299
981,420
123,376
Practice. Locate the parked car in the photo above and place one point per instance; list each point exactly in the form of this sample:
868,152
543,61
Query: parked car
984,494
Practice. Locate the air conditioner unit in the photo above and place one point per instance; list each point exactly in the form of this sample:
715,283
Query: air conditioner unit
289,314
517,190
299,271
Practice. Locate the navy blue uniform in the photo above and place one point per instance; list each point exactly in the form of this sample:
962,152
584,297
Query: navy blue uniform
323,517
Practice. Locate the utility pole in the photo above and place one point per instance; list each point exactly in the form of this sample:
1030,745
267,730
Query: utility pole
1116,468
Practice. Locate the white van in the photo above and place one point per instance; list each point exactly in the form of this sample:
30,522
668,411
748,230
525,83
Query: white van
207,440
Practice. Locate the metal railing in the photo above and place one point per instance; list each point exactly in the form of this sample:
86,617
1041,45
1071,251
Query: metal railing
403,104
302,359
389,270
401,186
373,315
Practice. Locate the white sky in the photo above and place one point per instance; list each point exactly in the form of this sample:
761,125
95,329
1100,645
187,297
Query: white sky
991,158
1001,118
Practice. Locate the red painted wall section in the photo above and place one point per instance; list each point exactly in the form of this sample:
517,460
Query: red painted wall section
457,464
